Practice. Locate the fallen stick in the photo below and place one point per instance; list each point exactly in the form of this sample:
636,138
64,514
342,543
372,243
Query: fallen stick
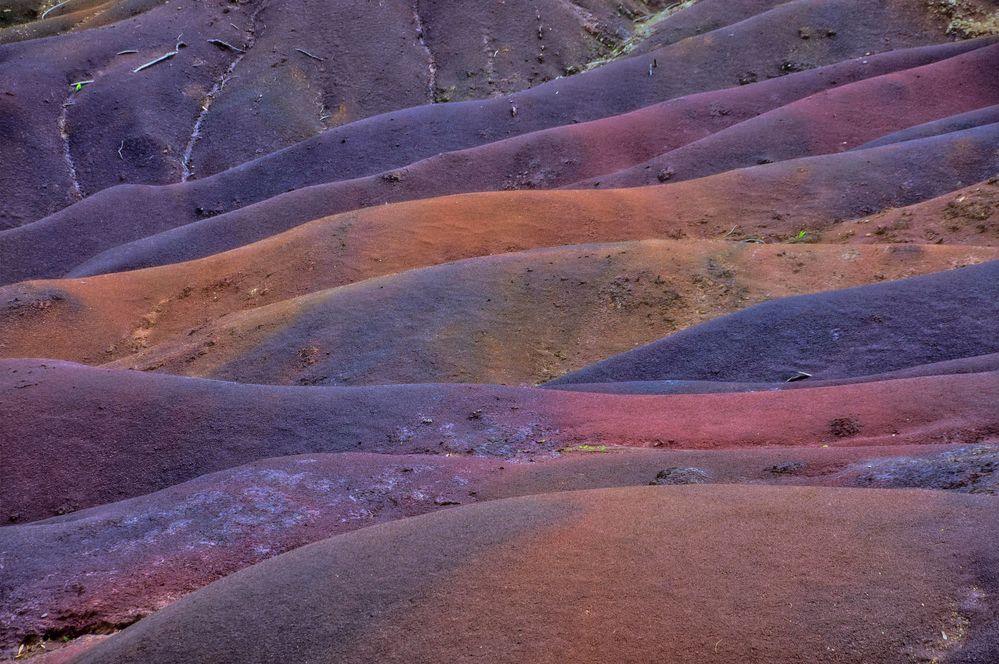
165,56
314,57
127,51
224,44
55,7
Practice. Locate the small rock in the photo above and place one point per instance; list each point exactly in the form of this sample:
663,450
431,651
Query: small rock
844,427
677,475
786,468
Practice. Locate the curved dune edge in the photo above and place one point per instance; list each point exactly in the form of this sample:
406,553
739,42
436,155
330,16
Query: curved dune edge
836,334
121,561
542,159
595,568
123,434
827,122
279,97
967,216
532,331
451,323
971,364
469,321
376,241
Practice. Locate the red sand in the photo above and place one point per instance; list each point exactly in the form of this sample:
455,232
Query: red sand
966,216
457,322
122,434
468,321
830,121
121,561
711,574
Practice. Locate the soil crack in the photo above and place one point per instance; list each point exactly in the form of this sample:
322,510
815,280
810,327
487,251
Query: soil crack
431,61
186,167
75,192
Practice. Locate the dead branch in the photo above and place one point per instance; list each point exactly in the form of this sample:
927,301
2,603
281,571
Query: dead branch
162,58
314,57
225,44
55,7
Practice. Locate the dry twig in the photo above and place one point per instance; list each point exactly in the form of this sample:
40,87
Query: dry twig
165,56
55,7
225,44
314,57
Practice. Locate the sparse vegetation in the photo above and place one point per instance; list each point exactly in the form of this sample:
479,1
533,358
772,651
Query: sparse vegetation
643,29
800,236
966,20
443,95
972,27
584,448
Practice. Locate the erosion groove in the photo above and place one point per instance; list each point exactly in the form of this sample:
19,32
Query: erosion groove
431,62
187,167
75,192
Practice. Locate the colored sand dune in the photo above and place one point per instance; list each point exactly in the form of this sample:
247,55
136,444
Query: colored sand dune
551,331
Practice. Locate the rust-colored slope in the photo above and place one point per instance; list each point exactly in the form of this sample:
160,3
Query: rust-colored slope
966,216
838,334
709,574
461,319
380,144
111,564
772,202
377,241
510,319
